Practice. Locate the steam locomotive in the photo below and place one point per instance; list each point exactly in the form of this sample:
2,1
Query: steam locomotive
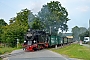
35,40
38,39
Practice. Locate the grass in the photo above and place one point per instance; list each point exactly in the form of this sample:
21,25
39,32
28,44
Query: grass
74,51
4,50
0,59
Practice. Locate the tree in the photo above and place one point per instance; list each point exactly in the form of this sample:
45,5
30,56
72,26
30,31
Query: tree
54,15
89,30
22,17
82,30
75,32
78,32
13,32
16,29
12,20
34,22
84,34
37,24
2,23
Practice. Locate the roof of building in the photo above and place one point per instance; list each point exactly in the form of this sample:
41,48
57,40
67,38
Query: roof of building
67,34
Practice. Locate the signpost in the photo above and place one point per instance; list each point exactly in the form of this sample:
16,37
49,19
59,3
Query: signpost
17,42
61,43
56,42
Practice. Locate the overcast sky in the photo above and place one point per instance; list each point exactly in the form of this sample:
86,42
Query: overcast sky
79,10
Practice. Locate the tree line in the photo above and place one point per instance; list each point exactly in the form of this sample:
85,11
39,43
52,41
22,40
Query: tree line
53,15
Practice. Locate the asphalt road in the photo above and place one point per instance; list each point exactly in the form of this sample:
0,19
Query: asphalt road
37,55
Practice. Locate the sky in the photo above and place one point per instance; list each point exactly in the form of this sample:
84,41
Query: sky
78,10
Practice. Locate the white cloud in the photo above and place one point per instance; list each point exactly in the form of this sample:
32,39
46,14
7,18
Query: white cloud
83,8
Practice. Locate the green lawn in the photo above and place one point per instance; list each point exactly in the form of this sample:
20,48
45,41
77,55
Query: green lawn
74,51
4,50
0,59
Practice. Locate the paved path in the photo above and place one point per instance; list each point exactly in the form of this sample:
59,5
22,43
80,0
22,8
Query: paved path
37,55
86,45
17,51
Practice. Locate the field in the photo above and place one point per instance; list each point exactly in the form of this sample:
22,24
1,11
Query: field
74,51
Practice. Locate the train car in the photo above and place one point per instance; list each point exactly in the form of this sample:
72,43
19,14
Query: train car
35,40
70,39
57,40
54,40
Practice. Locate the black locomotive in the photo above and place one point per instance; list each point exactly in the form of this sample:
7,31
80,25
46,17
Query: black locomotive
36,39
